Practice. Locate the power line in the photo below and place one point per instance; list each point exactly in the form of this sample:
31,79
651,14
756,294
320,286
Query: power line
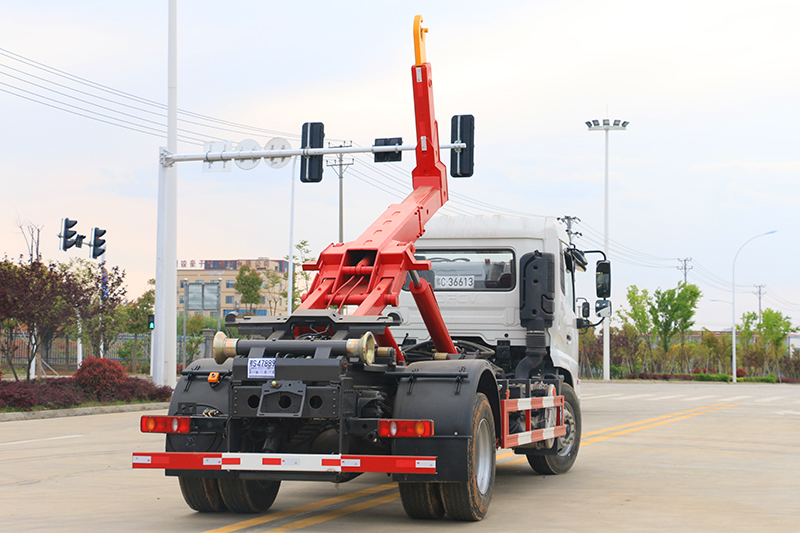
685,268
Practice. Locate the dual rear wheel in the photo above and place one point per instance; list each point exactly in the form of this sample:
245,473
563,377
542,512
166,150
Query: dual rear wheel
209,495
468,500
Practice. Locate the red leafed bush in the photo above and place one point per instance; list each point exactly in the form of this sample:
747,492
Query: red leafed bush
100,378
133,389
741,373
18,395
59,393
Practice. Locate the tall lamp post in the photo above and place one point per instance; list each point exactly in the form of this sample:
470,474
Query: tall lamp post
733,303
594,125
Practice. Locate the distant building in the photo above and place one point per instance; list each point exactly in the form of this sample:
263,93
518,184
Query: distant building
203,276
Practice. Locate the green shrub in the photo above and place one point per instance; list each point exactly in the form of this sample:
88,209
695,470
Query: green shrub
712,377
770,378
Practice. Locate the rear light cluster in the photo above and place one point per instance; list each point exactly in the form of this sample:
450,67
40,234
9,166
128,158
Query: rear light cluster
405,428
166,424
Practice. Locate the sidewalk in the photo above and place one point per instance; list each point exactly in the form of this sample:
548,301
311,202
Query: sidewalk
82,411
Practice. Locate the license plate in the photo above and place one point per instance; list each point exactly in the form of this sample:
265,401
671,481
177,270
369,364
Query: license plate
261,368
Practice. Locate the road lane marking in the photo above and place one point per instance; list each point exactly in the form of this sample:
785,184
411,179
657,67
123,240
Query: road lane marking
666,397
313,506
39,440
654,424
601,396
735,398
338,513
636,426
615,428
695,398
631,397
769,400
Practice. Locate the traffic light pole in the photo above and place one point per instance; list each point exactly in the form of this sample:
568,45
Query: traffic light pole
163,366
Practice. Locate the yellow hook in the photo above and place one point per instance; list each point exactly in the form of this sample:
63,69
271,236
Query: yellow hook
419,41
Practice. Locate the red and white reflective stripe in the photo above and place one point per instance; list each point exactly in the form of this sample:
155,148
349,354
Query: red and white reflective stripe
273,462
533,403
509,440
518,439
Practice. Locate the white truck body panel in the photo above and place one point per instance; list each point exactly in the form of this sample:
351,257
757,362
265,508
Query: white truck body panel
494,315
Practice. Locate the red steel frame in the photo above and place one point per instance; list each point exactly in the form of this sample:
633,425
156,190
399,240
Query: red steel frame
528,404
370,271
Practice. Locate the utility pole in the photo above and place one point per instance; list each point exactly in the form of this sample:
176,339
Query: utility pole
569,221
760,293
339,162
685,268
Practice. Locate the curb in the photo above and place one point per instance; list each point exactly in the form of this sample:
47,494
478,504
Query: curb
82,411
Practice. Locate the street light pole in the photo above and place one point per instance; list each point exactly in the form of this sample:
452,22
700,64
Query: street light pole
733,304
594,125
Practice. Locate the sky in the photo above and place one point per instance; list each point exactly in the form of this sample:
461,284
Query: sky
709,160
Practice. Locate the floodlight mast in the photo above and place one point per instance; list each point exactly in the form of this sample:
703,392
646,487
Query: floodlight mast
594,125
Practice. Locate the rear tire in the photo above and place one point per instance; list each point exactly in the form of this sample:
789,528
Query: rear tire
568,445
422,500
470,500
248,495
202,494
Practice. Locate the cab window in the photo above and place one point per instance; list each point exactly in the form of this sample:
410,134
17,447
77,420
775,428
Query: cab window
468,270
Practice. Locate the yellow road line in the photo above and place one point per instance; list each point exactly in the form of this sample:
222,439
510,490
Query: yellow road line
654,424
302,509
659,421
589,434
337,513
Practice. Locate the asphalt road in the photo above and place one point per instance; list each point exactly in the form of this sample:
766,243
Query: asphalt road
654,457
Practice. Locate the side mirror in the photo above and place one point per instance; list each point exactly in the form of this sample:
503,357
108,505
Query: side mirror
602,308
603,279
585,309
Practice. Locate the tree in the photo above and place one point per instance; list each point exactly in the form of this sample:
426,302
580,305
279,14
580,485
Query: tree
248,285
43,299
102,316
302,278
137,314
774,329
672,312
638,318
272,287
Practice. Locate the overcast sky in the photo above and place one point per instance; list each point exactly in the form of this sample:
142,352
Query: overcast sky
709,160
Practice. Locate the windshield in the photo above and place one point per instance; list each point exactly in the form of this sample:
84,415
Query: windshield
468,269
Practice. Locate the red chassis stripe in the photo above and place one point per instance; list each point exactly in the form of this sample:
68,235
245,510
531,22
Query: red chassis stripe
347,463
178,461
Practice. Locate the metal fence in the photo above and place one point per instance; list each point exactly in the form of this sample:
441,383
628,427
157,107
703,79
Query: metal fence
64,351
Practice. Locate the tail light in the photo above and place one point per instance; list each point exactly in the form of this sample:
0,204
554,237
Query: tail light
166,424
405,428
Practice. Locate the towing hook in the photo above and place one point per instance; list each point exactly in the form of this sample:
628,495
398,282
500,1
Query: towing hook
223,347
362,348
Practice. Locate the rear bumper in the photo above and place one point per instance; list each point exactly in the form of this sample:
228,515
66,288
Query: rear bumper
281,462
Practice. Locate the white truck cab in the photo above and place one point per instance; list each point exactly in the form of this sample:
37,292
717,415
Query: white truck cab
478,271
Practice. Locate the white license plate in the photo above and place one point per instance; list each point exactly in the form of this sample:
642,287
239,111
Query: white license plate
261,368
454,282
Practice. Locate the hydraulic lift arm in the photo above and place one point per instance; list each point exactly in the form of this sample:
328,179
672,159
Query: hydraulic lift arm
370,271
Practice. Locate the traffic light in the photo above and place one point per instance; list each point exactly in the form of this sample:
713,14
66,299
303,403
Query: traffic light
462,160
311,166
151,321
68,235
98,244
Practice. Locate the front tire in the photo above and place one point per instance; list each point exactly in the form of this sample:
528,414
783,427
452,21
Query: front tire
568,445
248,495
469,501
